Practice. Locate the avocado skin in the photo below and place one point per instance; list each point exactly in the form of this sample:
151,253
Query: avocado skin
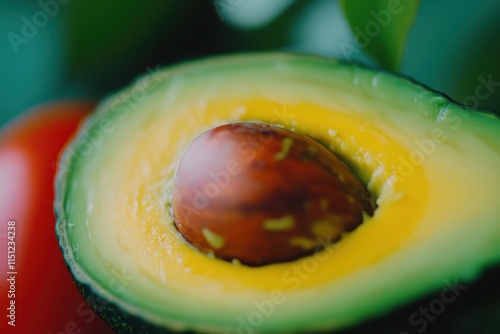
119,320
475,311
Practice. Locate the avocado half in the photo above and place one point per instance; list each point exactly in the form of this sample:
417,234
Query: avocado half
432,165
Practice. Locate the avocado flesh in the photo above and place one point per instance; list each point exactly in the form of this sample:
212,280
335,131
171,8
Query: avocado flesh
432,164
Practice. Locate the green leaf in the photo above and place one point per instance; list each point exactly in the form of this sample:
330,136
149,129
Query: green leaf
380,27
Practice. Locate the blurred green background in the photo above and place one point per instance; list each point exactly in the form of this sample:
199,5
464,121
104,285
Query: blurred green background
58,49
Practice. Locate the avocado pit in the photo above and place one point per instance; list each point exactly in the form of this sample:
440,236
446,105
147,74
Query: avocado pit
261,194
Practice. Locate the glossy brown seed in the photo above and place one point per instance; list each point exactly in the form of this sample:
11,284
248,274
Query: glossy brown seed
261,194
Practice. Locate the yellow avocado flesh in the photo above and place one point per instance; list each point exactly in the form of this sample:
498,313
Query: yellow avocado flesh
433,167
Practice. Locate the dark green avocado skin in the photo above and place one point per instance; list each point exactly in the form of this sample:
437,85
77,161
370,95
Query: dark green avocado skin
476,310
119,320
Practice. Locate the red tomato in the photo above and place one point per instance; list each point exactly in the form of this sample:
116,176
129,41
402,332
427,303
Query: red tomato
41,294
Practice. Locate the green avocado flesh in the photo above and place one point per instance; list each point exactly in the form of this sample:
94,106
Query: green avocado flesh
433,165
